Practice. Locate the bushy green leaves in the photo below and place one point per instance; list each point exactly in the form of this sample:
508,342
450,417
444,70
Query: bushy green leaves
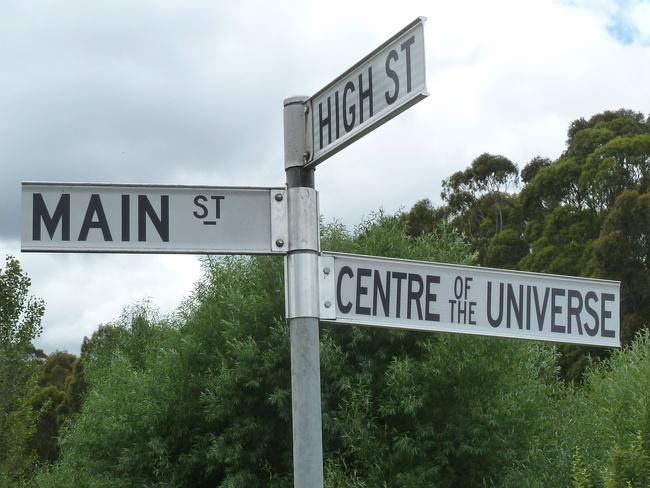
204,400
20,323
610,425
20,314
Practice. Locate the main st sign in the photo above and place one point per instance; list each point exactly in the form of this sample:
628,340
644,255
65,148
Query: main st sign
383,84
69,217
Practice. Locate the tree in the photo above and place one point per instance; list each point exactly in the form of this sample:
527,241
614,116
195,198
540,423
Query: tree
622,252
20,314
477,198
54,399
423,217
529,171
20,324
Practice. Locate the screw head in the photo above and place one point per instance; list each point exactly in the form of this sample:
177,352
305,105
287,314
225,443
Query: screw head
278,197
279,243
326,270
328,304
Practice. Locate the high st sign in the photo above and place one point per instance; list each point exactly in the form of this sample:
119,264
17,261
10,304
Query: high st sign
382,85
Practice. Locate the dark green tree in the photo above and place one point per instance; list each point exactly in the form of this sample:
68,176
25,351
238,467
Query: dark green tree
622,252
55,398
478,199
423,217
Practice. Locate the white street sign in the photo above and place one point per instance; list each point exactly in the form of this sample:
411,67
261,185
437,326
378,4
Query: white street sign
469,300
69,217
386,82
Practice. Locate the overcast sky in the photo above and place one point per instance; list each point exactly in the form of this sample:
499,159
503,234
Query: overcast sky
191,92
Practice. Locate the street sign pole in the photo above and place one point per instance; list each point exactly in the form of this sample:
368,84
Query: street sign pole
302,299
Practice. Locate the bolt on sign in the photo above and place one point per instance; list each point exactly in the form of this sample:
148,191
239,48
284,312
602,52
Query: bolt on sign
68,217
469,300
380,86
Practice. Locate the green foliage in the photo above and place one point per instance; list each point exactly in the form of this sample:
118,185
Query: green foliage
205,400
506,249
610,427
622,252
477,198
529,171
20,323
196,402
579,475
55,398
20,314
583,214
423,218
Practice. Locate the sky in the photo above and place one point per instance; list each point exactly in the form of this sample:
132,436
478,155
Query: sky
191,92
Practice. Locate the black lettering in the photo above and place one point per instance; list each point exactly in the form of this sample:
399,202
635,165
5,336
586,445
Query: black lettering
217,200
95,208
126,218
392,74
365,94
406,46
494,322
414,296
430,297
161,223
605,314
383,294
462,311
472,321
467,285
336,111
322,121
345,270
556,310
197,201
574,311
540,312
399,277
61,214
591,295
528,289
514,306
458,287
362,290
348,126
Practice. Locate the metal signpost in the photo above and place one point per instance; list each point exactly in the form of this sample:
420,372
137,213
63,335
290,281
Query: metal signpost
380,86
67,217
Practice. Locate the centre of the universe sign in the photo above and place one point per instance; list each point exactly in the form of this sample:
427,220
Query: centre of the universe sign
472,300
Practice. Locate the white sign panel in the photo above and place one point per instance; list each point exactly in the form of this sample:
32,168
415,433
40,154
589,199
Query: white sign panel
386,82
469,300
153,219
